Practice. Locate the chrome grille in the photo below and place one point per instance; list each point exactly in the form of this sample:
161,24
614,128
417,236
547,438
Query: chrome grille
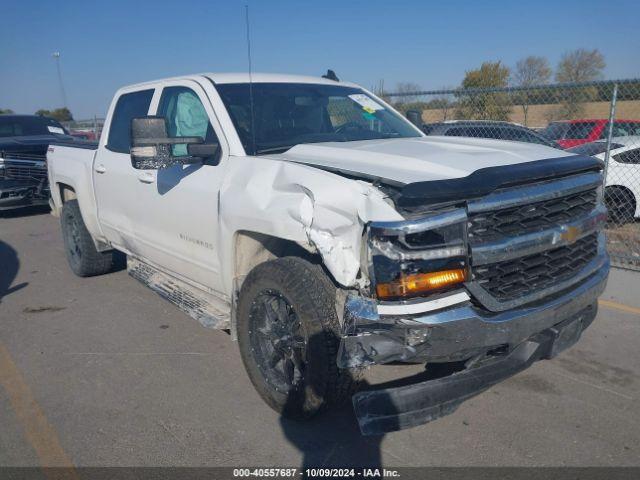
528,274
531,217
529,241
30,157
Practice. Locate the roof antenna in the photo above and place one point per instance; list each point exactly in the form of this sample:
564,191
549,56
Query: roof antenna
253,129
331,75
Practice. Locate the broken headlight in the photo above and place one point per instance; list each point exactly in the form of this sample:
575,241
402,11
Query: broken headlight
418,257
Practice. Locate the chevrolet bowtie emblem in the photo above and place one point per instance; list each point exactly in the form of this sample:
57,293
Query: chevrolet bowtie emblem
570,235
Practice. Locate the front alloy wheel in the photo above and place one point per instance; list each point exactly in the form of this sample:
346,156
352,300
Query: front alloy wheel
288,334
278,341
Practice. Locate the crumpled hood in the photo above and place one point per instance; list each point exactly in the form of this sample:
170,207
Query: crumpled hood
409,160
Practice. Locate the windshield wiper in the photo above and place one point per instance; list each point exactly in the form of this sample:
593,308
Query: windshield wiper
279,149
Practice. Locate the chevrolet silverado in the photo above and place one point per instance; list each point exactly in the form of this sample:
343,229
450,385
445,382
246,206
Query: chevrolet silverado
327,233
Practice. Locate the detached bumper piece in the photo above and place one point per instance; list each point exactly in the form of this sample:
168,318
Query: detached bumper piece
403,407
22,193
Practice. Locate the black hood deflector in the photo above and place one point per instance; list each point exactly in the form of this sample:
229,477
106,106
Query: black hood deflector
486,180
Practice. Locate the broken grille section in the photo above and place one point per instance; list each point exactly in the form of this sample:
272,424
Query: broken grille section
526,275
532,217
17,171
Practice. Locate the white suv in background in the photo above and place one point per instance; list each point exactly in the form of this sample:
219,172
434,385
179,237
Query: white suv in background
622,187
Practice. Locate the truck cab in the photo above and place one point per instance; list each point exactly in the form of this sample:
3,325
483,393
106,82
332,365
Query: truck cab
327,233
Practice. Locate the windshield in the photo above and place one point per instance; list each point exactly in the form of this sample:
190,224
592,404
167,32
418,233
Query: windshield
12,126
288,114
555,130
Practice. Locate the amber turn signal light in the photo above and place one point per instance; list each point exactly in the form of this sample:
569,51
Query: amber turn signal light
412,285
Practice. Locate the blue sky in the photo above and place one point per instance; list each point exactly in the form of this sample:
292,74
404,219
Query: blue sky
105,45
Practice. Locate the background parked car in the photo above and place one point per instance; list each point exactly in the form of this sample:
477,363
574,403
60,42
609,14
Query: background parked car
576,132
83,134
487,129
622,186
24,140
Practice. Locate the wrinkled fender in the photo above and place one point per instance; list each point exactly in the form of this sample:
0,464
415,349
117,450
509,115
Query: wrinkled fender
319,210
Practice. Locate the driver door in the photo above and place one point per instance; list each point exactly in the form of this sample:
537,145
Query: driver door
176,212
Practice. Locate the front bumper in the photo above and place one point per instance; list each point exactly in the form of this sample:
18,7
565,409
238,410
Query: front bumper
459,332
494,346
22,193
394,409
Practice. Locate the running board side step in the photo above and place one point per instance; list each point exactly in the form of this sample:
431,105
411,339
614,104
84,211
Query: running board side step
210,310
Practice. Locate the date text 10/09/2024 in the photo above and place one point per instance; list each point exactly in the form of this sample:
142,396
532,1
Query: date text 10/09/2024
316,472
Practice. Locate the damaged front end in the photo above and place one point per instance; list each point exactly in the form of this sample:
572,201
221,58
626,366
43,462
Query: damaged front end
490,284
23,181
414,267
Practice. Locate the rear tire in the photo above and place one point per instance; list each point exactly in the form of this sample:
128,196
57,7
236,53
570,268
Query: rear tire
83,258
621,205
288,334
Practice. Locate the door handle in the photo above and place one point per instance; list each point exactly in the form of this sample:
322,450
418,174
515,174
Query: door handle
100,168
146,177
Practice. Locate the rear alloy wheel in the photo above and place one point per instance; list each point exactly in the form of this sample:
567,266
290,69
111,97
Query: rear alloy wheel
82,255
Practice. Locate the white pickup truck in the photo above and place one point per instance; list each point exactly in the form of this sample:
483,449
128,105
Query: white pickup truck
327,233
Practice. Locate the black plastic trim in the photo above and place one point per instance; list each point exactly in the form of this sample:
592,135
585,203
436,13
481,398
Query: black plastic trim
84,145
486,180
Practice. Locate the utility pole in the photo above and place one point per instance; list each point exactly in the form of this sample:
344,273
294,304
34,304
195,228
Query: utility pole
56,55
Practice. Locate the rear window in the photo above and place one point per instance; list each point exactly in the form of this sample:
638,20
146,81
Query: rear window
555,130
622,129
466,132
592,149
11,126
129,106
630,156
579,130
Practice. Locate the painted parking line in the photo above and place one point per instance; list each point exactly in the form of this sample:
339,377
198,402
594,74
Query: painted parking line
619,306
37,429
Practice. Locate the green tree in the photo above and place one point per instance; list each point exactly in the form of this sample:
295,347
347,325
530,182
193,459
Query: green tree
530,71
5,111
574,67
61,114
484,105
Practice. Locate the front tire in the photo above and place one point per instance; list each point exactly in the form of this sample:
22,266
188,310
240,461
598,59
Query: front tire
621,205
83,258
288,334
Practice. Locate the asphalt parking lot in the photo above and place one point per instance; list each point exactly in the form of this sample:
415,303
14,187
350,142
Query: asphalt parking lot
103,372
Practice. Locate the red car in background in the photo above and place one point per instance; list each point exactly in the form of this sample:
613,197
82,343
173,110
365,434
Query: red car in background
83,134
576,132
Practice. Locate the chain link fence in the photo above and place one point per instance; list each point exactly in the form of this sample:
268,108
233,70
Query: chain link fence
89,129
601,119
